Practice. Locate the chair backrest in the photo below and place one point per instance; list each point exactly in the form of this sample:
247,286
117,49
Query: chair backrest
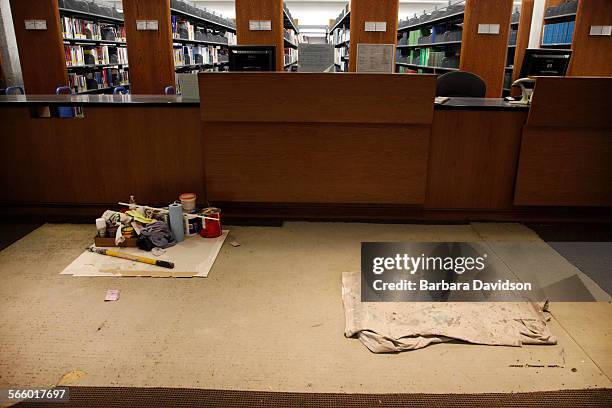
14,90
461,84
170,90
63,90
120,90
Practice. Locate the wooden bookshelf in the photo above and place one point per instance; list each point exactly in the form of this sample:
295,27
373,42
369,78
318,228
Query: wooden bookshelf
447,39
485,54
592,54
41,52
366,10
435,33
522,40
282,25
339,35
558,24
86,77
206,47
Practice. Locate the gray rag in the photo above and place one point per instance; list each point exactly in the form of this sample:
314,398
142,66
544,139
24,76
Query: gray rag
159,234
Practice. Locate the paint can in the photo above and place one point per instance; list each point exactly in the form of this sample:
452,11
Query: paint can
192,225
188,200
211,228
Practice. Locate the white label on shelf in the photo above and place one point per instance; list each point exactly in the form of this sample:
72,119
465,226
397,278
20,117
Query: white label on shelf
600,30
260,25
488,28
493,28
381,26
370,26
152,25
35,24
141,25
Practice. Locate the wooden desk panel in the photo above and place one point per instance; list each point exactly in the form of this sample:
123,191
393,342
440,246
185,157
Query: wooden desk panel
317,98
565,167
566,151
302,163
571,102
473,159
153,153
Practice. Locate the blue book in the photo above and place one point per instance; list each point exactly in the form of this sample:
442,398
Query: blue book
570,31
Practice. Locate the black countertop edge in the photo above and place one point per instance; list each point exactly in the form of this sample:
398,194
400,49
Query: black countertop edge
99,100
488,104
176,101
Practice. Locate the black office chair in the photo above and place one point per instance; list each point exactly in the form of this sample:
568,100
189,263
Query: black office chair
461,84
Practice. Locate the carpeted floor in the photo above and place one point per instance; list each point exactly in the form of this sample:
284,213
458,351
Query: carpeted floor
268,318
111,397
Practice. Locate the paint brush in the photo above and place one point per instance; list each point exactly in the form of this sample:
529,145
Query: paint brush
136,258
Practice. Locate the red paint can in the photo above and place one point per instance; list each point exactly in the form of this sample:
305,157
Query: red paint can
211,228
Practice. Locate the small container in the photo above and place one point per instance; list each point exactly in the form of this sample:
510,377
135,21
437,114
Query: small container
101,227
211,228
188,200
192,225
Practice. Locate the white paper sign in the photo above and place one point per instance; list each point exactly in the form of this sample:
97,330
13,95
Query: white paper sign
35,24
141,25
375,58
152,25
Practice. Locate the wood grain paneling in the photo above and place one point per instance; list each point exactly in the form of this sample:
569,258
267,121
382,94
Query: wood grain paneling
367,10
150,52
473,158
485,54
567,145
155,154
306,163
565,167
314,97
592,54
522,40
272,10
571,102
41,52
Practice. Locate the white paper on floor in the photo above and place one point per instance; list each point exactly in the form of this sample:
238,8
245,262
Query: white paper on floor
385,327
194,257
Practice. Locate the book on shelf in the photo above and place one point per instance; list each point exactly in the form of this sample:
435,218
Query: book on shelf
102,79
80,29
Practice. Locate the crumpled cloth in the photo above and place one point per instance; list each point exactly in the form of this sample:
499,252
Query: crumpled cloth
389,327
159,234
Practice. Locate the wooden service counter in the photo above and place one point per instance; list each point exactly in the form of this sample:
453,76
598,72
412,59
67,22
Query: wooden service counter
149,146
317,146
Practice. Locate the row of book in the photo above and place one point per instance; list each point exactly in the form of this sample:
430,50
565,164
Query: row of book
341,35
429,58
105,78
291,36
291,56
559,33
426,36
199,54
79,29
78,55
